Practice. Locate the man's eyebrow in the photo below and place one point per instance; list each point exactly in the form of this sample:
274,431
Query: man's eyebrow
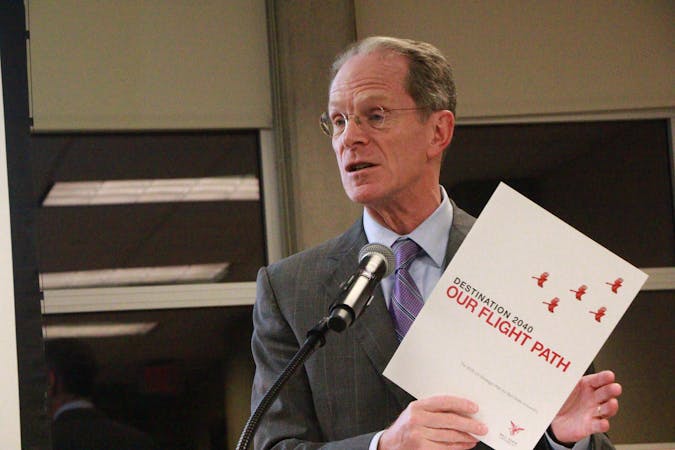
369,100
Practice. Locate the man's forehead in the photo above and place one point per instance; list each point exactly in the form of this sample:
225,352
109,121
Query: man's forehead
372,75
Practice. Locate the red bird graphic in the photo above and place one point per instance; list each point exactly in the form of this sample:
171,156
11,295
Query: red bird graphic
515,429
552,304
580,292
616,284
599,314
541,279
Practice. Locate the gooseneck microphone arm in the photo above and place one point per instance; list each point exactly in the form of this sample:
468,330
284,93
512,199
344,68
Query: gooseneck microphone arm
316,336
376,261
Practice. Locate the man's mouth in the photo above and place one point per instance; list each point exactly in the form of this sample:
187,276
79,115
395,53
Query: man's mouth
359,166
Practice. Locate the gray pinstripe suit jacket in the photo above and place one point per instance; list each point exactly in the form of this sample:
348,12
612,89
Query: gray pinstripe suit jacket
339,399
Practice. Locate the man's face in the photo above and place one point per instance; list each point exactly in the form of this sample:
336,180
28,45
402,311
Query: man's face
379,167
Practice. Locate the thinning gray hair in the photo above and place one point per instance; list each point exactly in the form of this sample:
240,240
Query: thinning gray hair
429,82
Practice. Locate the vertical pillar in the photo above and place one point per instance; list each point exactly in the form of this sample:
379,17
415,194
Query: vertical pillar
32,378
305,36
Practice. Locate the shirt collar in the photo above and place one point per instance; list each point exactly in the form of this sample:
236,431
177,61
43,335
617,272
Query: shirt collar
432,234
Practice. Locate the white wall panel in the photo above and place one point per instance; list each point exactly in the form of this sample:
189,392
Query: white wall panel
10,430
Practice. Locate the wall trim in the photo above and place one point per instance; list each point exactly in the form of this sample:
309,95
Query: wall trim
647,446
660,279
271,195
579,116
131,298
60,301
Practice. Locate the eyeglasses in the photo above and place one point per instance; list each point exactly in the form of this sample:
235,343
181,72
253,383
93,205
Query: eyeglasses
376,118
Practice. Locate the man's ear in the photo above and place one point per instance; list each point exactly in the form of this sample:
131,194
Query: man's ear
444,128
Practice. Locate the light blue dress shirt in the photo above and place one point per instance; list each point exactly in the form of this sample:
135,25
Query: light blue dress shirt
432,235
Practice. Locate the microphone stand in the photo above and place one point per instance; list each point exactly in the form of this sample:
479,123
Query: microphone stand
375,262
316,338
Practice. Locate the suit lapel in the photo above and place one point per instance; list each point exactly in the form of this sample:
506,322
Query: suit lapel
374,330
375,333
343,260
461,224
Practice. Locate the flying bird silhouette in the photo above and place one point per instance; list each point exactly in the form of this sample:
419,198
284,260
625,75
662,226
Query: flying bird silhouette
552,304
599,314
616,284
541,279
579,292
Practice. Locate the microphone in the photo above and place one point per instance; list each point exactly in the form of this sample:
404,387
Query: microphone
376,261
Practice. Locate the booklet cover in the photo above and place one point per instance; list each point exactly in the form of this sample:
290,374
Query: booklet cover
516,319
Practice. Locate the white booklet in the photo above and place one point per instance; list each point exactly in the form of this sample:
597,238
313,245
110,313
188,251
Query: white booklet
516,319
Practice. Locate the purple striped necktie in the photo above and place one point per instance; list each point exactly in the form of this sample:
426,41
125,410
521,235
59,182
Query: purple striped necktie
406,300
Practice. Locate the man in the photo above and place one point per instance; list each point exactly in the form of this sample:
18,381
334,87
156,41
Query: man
391,117
76,423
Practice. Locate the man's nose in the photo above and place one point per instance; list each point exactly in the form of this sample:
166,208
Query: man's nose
354,131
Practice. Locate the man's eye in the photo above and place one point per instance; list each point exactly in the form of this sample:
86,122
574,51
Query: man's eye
376,118
338,121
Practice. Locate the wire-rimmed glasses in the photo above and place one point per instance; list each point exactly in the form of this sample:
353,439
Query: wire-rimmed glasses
376,118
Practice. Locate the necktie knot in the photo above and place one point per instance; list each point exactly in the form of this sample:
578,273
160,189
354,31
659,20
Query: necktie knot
405,251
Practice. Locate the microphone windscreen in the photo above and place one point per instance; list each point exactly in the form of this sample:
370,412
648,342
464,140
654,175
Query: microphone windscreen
382,250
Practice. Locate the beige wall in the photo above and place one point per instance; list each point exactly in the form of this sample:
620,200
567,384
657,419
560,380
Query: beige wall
526,57
148,64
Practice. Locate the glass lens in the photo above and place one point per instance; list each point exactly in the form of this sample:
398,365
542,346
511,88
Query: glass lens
326,125
376,117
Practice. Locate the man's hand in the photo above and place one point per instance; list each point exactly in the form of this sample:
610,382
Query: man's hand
588,408
435,422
